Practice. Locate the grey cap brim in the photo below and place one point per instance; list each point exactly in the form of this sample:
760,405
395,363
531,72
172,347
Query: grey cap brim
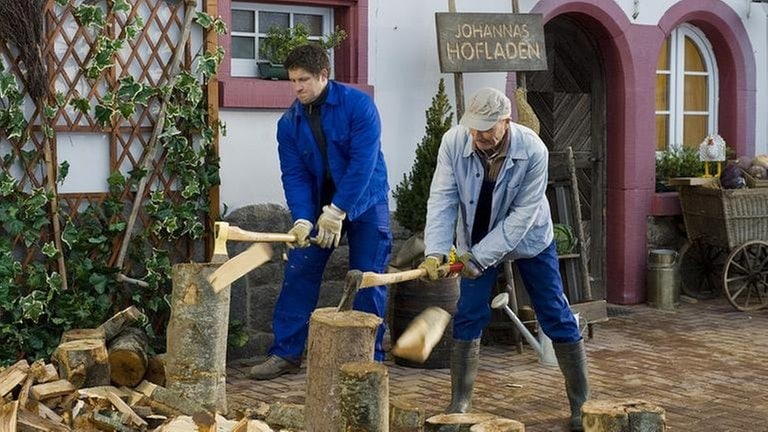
476,122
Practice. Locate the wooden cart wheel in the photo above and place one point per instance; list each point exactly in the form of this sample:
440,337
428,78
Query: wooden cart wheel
745,277
701,267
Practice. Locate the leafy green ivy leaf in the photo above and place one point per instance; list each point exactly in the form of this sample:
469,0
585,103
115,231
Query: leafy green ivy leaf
49,111
60,99
47,131
32,305
203,19
90,16
219,26
126,109
69,234
62,3
120,6
62,172
104,114
117,227
7,184
80,104
98,282
97,240
49,250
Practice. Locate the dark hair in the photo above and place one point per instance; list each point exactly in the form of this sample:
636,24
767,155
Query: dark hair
310,57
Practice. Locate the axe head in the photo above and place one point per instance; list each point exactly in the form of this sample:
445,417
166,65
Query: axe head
221,234
352,283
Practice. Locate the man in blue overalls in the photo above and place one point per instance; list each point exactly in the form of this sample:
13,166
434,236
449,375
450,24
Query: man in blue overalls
491,177
335,183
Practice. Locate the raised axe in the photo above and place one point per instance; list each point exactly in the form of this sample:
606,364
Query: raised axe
425,330
256,255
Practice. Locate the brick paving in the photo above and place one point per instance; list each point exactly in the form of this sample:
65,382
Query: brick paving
704,363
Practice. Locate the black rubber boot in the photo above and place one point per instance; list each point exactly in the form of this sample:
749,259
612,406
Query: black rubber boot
573,363
465,357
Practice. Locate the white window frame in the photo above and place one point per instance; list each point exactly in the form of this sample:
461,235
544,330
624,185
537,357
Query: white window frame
676,82
248,67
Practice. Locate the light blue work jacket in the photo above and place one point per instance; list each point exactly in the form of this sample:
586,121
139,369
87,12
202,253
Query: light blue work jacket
521,224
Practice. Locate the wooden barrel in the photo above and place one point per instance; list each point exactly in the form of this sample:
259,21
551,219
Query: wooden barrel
410,298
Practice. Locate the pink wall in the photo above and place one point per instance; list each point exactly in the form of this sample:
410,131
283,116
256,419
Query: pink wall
630,53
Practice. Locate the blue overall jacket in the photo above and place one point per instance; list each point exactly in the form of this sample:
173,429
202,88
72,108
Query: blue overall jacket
352,129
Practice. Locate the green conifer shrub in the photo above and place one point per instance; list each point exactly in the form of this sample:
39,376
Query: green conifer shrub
413,191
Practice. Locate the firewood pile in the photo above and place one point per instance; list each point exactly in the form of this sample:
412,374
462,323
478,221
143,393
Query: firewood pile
103,380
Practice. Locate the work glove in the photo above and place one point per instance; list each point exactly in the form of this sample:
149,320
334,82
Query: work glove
432,265
300,231
329,226
471,270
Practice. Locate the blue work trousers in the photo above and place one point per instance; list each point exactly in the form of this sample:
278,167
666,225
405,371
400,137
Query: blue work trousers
370,244
541,276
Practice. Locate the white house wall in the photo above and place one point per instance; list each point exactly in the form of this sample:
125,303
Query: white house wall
403,68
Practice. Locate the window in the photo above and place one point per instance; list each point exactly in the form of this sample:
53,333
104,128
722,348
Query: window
251,21
686,93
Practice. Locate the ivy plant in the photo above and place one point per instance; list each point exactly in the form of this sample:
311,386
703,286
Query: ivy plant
34,309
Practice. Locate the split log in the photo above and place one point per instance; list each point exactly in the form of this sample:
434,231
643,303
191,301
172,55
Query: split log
8,416
52,389
43,372
128,357
335,338
84,363
25,388
125,409
498,425
364,397
197,337
125,318
111,421
156,370
43,411
460,422
627,415
405,417
80,334
12,377
167,402
287,415
28,422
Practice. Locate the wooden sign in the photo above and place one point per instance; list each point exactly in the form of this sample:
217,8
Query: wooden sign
490,42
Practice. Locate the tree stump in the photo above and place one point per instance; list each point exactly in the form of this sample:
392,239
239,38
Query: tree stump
84,362
498,425
335,338
128,357
405,417
364,393
197,337
460,422
632,415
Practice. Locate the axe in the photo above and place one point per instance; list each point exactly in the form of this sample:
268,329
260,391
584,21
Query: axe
425,330
256,255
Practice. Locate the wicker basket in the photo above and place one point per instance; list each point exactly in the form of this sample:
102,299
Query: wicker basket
725,217
752,181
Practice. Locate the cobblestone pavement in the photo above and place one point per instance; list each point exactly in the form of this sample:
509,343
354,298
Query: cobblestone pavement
704,363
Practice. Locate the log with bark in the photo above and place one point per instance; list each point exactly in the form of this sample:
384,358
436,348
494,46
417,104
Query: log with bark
125,318
80,334
156,370
84,363
197,337
459,422
622,415
335,338
364,397
498,425
405,417
128,357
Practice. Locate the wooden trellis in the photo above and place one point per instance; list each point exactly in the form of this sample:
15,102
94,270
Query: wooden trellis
67,48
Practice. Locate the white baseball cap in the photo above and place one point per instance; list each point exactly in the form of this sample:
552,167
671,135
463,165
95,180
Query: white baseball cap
486,107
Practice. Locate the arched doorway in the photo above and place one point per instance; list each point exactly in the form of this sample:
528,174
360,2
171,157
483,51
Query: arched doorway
569,100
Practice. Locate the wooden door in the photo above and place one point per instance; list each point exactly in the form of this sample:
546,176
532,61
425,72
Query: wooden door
569,99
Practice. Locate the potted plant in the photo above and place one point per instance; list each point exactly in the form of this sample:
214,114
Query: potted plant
282,40
676,162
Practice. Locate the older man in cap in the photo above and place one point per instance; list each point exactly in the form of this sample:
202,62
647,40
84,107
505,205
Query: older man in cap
491,177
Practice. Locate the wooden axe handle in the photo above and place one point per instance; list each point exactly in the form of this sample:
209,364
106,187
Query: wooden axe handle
239,234
374,279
